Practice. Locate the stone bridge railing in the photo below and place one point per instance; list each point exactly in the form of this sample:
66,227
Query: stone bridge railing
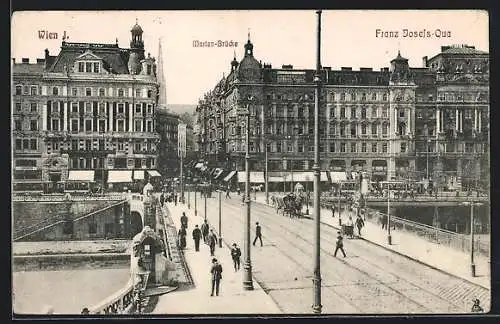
122,302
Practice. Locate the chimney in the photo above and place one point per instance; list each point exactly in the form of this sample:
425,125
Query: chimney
40,61
444,48
365,69
14,60
424,61
25,60
328,68
384,69
287,67
344,68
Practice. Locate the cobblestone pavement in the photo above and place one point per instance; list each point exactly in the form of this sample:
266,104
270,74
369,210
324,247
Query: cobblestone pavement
370,279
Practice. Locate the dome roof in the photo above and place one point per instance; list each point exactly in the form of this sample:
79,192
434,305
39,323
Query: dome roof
136,29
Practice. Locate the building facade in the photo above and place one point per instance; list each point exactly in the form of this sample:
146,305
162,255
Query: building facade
398,123
167,127
95,105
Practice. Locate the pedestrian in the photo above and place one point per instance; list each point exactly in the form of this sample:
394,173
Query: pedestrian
258,234
175,198
182,237
476,308
162,199
227,193
238,190
212,241
350,227
85,311
359,224
384,221
333,210
184,220
235,255
204,231
339,245
216,272
196,238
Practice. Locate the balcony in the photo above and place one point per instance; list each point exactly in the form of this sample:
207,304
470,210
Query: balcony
144,151
73,152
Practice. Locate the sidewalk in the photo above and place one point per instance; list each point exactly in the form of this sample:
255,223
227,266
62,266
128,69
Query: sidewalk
232,299
441,257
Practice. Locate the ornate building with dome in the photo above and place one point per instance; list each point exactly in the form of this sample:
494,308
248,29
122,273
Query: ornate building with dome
398,123
86,115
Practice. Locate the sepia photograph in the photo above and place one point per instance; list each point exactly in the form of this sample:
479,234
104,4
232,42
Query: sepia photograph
250,162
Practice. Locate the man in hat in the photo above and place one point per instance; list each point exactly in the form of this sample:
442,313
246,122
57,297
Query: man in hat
235,255
212,241
339,245
184,220
204,231
196,238
258,234
216,272
476,308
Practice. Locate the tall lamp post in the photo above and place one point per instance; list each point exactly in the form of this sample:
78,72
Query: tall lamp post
247,265
205,189
220,219
389,238
317,272
189,197
195,205
472,264
427,160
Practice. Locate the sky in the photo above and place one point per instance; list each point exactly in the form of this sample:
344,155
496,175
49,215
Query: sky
350,38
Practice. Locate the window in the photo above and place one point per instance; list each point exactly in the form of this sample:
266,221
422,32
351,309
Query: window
88,92
401,113
120,93
74,92
81,67
138,93
363,129
278,147
374,112
120,125
385,128
374,96
102,126
33,90
88,67
441,96
384,112
33,144
26,143
149,124
19,107
138,108
403,147
150,93
468,113
25,90
19,90
17,125
342,97
101,92
342,112
363,147
102,108
33,107
55,124
374,129
34,125
342,147
96,67
342,130
384,147
74,107
74,125
353,96
374,147
353,112
55,91
353,147
363,112
88,107
149,109
290,148
384,97
353,130
120,108
19,144
88,125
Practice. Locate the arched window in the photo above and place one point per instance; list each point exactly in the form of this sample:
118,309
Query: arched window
385,128
374,129
363,112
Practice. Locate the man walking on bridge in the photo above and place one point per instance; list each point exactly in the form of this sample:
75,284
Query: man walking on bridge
216,272
196,238
258,233
339,245
212,241
204,231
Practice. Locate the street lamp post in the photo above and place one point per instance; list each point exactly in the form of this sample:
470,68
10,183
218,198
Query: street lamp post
247,265
189,197
317,271
427,160
220,219
389,238
472,263
205,205
267,174
195,205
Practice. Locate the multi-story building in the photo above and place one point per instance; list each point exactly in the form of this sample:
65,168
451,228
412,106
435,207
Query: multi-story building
167,127
379,122
95,105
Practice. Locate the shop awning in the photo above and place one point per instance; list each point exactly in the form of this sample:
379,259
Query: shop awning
338,176
154,173
138,174
307,176
81,175
218,173
255,177
229,176
116,176
275,179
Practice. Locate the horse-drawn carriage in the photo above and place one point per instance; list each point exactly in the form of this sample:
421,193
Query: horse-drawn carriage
289,205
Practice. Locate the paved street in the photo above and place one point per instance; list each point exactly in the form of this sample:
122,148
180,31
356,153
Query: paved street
370,279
